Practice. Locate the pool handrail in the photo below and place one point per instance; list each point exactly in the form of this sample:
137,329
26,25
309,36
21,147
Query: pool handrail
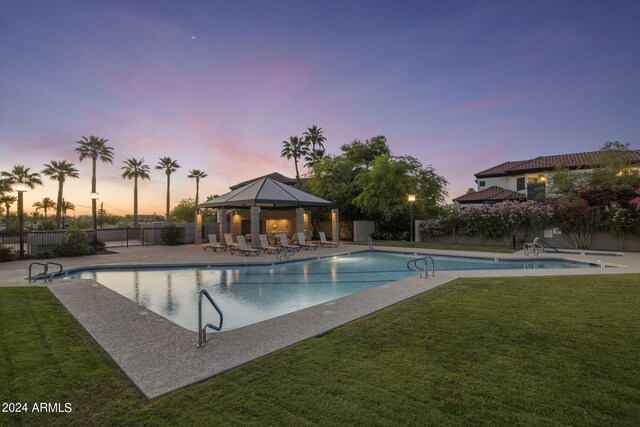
424,259
45,272
370,242
202,331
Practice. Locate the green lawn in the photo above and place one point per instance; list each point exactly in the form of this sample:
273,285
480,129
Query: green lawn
534,351
445,246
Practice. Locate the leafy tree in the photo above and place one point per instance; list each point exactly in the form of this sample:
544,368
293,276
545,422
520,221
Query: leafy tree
183,212
296,148
45,205
135,169
197,174
94,148
314,137
362,154
60,171
169,166
391,178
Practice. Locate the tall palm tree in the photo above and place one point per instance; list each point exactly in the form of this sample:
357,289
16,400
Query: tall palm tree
315,137
197,174
60,171
169,166
22,175
94,148
313,158
45,205
7,200
295,148
134,169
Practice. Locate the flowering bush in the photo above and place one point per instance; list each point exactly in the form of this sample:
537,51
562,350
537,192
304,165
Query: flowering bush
635,202
501,220
577,218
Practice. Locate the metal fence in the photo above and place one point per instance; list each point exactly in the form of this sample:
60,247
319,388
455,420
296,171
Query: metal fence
41,241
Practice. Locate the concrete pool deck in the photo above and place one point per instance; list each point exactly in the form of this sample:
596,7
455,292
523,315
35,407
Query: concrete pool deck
160,356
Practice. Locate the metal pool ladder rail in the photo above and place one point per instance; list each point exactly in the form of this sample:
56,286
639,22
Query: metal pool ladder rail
421,264
46,270
370,242
202,331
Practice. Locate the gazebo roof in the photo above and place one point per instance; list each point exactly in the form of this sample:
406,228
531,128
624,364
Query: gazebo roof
266,192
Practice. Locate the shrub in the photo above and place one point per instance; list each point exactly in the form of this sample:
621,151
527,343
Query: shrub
171,235
7,254
45,255
98,245
578,219
74,243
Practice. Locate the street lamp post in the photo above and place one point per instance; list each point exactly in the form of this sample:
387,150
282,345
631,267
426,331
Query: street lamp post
21,188
94,199
411,198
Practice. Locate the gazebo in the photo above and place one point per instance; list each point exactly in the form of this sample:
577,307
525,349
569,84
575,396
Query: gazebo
275,197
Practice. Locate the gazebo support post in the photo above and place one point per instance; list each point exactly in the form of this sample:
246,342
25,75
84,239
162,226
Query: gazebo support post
222,224
335,225
255,227
299,220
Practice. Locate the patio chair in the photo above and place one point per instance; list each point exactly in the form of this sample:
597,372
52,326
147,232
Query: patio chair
266,247
213,244
243,249
228,240
302,241
325,243
284,243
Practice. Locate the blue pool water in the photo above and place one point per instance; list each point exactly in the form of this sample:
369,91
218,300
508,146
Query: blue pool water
250,294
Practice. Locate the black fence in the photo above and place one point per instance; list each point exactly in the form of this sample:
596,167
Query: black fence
41,241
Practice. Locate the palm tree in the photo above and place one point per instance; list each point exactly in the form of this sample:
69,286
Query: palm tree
60,171
7,200
295,148
169,166
94,148
67,206
22,175
45,205
314,136
314,158
197,174
134,169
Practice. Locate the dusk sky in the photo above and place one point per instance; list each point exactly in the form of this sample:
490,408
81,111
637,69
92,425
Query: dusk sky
218,85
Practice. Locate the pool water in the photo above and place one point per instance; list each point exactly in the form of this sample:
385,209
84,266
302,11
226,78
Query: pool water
251,294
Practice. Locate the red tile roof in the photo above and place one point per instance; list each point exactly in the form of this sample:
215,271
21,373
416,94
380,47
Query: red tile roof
491,194
570,161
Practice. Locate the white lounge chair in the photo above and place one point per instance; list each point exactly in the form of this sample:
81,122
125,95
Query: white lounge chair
325,243
302,241
284,243
213,244
243,249
264,245
228,240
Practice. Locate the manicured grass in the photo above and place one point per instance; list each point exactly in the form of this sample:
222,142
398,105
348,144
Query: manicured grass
444,246
533,351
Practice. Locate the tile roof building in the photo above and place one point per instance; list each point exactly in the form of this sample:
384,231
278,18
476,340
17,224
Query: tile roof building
529,179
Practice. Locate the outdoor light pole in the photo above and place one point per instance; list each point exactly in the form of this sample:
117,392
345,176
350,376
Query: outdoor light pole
21,188
94,200
412,199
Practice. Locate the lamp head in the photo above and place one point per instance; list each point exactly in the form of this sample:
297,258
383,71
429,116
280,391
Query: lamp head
411,198
95,196
21,187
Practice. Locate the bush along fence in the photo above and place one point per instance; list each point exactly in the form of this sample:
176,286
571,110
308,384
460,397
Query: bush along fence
76,242
575,219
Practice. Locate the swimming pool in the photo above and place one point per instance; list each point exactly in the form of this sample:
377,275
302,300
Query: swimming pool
253,293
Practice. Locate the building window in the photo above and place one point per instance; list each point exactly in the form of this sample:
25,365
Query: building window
481,183
520,184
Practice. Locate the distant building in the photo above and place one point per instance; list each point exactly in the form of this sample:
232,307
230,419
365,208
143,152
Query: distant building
528,179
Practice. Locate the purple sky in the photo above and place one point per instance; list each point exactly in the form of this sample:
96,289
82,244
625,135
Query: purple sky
219,85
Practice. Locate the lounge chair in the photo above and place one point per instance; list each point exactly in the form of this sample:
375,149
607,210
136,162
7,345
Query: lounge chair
325,243
303,242
284,243
266,247
243,249
228,240
213,244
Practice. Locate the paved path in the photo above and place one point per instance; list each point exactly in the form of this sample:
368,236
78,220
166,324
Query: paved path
160,356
